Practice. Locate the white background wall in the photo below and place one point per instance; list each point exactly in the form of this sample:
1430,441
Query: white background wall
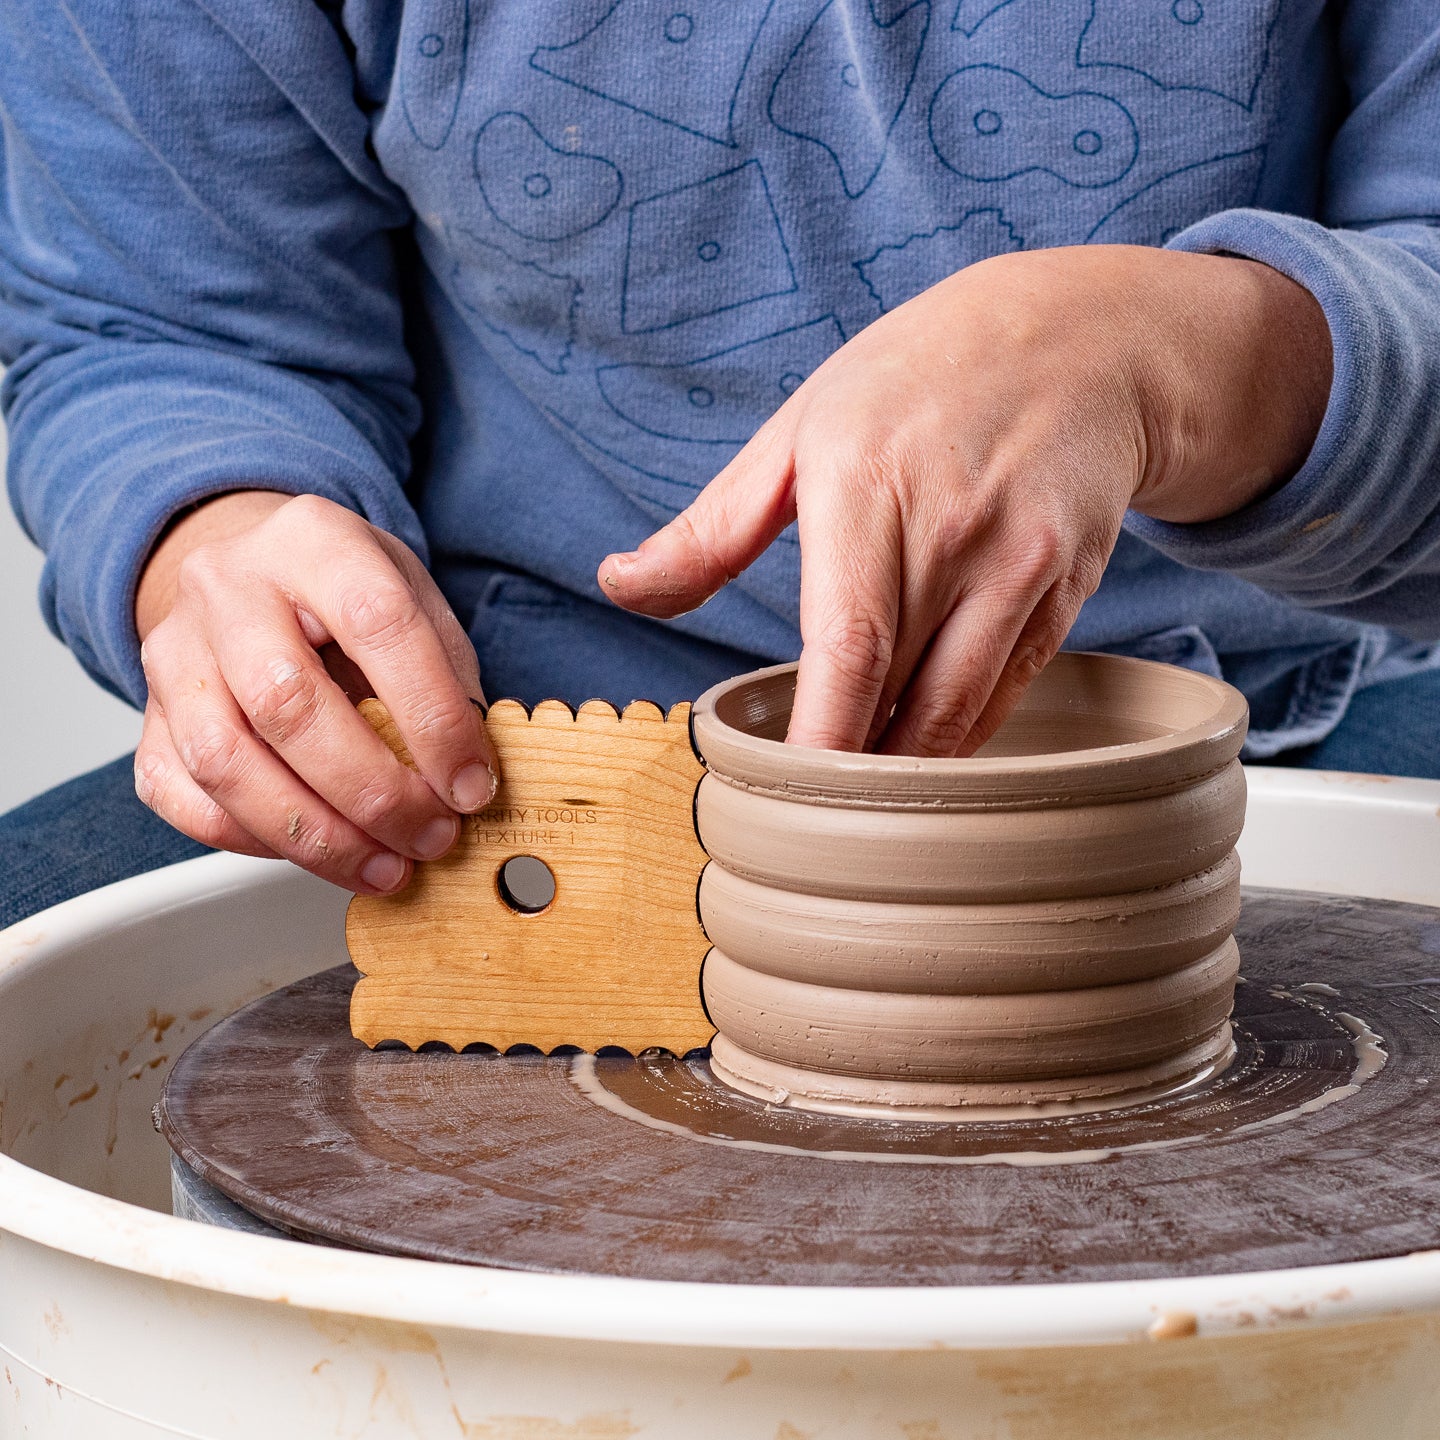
55,721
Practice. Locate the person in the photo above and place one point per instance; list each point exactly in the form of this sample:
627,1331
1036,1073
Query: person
420,346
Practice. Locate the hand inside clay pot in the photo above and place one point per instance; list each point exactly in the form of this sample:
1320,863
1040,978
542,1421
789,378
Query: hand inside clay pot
959,472
1046,922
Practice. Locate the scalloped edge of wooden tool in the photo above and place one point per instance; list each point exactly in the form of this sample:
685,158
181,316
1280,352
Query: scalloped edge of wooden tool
606,800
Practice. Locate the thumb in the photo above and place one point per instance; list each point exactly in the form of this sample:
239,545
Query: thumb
724,531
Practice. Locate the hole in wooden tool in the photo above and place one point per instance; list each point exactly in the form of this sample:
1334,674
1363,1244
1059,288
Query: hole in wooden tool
526,884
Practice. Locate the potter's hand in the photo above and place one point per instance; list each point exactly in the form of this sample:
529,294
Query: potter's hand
960,470
250,744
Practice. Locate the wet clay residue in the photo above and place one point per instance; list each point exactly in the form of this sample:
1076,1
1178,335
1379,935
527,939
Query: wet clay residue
1048,922
1319,1143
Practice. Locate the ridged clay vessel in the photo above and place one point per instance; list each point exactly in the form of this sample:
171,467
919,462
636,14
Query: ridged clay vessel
1046,922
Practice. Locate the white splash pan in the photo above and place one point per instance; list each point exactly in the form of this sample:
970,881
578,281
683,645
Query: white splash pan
117,1320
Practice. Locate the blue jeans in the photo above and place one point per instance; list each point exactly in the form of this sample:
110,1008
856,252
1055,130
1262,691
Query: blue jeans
1389,729
92,831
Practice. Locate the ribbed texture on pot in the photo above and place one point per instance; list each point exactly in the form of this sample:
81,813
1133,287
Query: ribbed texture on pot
934,933
976,856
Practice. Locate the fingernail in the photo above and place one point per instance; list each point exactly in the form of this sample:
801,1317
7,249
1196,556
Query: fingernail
384,873
619,564
473,788
437,837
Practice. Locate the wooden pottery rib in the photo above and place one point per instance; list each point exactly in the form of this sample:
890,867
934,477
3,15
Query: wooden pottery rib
606,802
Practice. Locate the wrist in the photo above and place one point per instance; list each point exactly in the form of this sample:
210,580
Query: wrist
1233,410
218,518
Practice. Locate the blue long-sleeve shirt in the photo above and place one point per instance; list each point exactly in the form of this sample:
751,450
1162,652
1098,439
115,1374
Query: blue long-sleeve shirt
515,279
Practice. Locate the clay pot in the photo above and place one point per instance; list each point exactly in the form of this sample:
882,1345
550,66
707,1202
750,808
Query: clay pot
1048,921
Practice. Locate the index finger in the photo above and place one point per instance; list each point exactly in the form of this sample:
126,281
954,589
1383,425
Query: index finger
850,561
378,619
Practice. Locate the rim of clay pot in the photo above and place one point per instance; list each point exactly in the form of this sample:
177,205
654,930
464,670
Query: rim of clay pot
1195,723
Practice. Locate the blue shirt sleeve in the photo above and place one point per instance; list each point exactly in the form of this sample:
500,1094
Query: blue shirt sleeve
1356,531
198,288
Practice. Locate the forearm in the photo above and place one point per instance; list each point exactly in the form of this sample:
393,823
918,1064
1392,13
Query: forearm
135,389
1234,392
1355,531
109,442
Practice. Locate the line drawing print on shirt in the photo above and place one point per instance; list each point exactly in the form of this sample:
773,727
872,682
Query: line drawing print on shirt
536,189
893,276
684,257
886,12
1189,194
537,316
724,396
990,123
1218,47
434,41
687,42
660,496
827,93
970,15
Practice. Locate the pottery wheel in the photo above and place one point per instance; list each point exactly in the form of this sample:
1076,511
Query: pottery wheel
1320,1143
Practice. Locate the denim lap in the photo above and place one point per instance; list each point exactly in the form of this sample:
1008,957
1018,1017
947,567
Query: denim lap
88,832
1388,729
